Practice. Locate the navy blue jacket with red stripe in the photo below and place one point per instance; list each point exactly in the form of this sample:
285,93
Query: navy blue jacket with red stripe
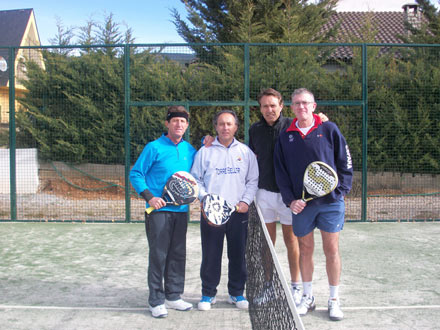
294,151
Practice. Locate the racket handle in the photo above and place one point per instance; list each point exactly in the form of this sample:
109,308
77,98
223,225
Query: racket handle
149,210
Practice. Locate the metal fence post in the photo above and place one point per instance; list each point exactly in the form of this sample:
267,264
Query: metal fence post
127,130
12,144
364,131
246,93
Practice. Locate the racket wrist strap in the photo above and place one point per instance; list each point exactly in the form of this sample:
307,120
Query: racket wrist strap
147,195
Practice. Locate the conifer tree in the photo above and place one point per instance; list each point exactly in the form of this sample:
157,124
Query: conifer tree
86,35
213,21
63,37
109,34
74,109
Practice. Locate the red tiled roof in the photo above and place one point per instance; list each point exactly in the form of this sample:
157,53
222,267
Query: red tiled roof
385,27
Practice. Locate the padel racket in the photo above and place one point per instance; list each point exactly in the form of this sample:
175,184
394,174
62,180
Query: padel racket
216,210
181,188
319,180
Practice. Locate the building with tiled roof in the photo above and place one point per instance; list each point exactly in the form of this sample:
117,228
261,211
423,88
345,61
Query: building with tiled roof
371,27
18,28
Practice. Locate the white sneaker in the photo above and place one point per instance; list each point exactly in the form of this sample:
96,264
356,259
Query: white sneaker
334,310
159,311
179,305
239,301
307,304
296,293
205,303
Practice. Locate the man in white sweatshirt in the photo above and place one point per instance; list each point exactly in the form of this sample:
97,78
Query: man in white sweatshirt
229,169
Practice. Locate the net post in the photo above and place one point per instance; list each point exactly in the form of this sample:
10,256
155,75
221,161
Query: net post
292,306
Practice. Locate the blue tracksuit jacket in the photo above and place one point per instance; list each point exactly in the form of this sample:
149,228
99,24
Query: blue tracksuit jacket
159,160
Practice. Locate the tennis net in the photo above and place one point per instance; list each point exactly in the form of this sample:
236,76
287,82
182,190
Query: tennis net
271,304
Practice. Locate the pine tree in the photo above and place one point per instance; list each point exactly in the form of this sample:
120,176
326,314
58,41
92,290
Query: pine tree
109,34
86,36
215,21
230,21
74,109
63,37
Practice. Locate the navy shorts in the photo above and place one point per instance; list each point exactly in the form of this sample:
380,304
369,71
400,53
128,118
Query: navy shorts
326,217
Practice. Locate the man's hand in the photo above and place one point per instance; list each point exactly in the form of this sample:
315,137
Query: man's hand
297,206
323,117
157,202
242,207
207,140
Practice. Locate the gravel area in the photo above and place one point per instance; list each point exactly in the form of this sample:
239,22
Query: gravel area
45,207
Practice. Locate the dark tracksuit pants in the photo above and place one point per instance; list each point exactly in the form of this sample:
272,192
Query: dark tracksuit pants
166,234
212,250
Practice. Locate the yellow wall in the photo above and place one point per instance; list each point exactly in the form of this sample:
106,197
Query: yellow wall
4,103
30,38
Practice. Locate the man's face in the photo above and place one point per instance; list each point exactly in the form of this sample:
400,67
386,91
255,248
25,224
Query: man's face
176,127
270,107
226,128
303,106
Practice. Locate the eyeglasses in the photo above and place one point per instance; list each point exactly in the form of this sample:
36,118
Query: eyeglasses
303,103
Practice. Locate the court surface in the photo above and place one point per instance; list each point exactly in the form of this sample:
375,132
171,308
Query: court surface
93,276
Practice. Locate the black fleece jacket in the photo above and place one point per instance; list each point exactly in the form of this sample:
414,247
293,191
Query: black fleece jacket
262,139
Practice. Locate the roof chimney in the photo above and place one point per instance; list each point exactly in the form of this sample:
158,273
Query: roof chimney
412,14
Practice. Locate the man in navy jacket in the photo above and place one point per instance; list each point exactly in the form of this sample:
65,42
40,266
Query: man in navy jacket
308,139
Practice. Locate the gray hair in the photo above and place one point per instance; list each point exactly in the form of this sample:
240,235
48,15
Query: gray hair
300,91
232,112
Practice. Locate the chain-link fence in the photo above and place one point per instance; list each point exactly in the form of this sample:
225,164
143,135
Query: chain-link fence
74,119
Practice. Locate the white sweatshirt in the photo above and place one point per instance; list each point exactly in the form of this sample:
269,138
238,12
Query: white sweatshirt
230,172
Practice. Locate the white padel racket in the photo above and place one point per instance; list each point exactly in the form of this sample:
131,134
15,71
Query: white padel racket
216,210
319,180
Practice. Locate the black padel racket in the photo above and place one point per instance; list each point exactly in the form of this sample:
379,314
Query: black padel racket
181,188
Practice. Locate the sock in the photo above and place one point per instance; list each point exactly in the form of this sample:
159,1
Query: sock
334,291
295,284
307,289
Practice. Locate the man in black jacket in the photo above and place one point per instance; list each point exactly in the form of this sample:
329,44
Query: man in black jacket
262,138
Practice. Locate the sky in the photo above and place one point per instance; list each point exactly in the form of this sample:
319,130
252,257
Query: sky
150,20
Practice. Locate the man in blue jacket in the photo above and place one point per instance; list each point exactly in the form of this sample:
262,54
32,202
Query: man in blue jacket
308,139
166,227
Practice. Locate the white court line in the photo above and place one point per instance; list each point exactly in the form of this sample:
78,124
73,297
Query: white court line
383,308
75,308
380,308
94,308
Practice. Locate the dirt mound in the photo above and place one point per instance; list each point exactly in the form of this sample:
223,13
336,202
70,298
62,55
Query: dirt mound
85,188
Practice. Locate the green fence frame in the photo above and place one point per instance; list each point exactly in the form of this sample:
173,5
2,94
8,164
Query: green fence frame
246,103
